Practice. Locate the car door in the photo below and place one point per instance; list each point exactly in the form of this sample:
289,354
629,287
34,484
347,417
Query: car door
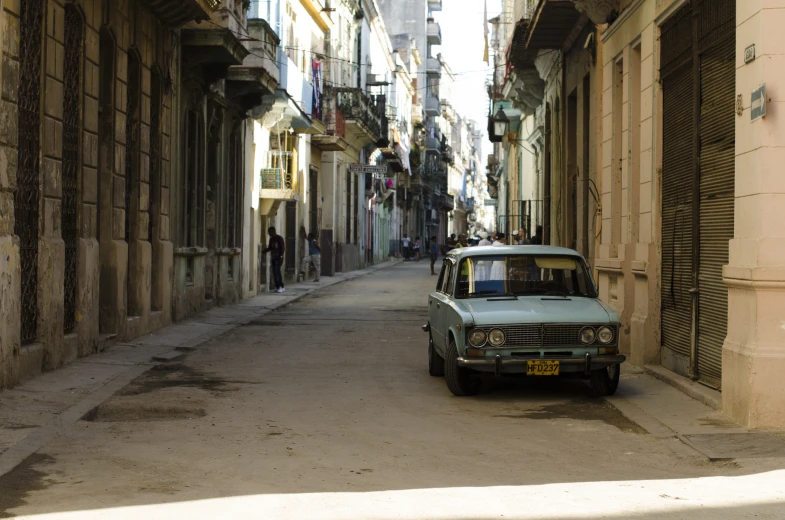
439,305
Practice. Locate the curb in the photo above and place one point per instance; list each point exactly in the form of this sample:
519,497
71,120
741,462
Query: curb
43,435
697,391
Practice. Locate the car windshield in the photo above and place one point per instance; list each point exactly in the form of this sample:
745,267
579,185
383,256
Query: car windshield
523,275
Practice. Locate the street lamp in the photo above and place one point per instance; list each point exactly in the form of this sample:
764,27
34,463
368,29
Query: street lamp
500,123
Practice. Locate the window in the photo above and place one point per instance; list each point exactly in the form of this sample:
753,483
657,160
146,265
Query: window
445,285
524,275
28,193
70,225
441,276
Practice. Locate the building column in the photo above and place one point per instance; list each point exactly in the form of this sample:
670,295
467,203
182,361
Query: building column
753,360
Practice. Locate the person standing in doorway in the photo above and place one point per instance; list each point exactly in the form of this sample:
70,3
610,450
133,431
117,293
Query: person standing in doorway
406,241
276,247
434,253
537,238
314,257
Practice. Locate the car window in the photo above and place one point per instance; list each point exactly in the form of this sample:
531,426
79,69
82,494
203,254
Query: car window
450,286
524,275
441,276
447,281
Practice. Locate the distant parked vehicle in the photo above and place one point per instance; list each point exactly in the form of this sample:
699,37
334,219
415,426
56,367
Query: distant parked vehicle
529,310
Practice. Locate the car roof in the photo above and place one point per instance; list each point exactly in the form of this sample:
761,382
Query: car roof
464,252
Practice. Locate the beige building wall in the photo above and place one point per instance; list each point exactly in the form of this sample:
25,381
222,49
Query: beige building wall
754,351
628,261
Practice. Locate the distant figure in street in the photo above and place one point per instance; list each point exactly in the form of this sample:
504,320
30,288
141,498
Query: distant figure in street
417,248
276,247
537,238
462,241
484,239
406,241
501,240
434,253
314,257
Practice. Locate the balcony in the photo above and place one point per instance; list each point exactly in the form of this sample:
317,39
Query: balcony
552,24
334,137
434,5
446,202
211,50
259,74
448,112
275,182
433,66
432,106
448,155
363,121
417,111
434,32
177,13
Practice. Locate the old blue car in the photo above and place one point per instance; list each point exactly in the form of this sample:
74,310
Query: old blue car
527,310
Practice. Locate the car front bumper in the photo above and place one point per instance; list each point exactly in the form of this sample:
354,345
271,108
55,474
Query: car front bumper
500,365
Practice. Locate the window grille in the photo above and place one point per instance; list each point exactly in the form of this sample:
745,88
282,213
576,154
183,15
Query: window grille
27,195
71,77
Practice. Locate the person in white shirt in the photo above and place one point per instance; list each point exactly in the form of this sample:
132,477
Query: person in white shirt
406,240
498,269
484,239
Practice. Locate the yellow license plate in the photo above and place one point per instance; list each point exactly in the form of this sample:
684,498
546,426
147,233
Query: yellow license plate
542,368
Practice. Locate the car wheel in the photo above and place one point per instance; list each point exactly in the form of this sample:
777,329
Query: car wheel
435,361
461,381
605,381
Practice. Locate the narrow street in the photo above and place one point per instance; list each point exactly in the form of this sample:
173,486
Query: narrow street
325,409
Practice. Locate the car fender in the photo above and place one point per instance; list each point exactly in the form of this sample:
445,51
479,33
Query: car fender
457,321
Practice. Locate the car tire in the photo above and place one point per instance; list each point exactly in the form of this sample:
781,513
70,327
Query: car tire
605,381
435,361
461,381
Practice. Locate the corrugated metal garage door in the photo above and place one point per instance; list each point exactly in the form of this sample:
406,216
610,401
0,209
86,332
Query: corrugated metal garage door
697,196
678,167
717,25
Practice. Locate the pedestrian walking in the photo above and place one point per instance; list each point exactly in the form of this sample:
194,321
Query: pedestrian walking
417,249
276,247
406,241
484,239
434,253
314,257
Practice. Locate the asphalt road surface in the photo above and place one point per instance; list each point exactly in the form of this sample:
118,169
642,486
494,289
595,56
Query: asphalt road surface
325,409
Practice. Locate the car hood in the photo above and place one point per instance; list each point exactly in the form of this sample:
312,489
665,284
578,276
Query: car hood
536,309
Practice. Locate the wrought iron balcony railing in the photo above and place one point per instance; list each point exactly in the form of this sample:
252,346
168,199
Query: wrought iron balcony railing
356,106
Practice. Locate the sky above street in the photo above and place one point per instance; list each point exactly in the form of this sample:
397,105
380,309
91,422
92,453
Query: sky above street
462,47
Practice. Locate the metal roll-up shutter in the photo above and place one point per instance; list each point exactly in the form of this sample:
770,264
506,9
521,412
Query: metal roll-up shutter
678,173
717,141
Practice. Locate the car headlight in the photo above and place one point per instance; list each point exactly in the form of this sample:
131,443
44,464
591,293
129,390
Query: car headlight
587,335
477,337
496,337
605,335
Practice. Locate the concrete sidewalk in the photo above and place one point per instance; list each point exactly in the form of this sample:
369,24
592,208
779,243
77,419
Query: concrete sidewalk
35,412
686,422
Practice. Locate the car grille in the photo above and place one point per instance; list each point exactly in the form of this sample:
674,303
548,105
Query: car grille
547,335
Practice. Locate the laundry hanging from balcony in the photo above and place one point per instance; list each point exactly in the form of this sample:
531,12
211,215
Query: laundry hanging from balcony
316,66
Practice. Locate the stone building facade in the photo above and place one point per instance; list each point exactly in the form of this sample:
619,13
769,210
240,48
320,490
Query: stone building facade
92,102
